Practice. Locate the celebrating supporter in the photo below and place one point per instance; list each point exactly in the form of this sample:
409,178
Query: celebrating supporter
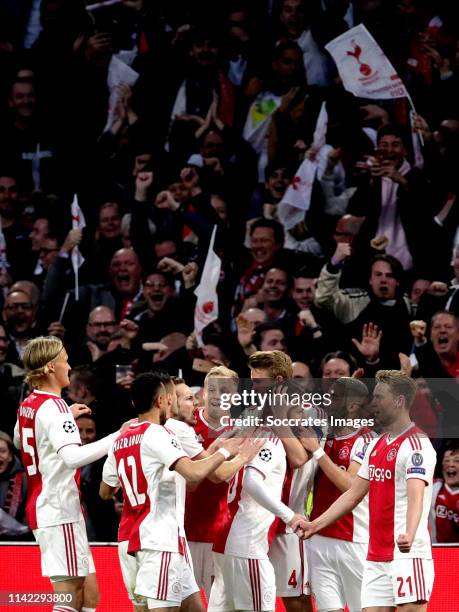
444,517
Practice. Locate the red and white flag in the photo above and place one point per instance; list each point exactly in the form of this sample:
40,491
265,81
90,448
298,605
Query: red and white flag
206,309
364,69
78,222
297,198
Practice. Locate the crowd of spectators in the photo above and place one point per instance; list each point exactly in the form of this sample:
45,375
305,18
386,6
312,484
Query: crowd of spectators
211,131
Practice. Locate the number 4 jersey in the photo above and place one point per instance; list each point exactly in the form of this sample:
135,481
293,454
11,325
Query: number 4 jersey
45,425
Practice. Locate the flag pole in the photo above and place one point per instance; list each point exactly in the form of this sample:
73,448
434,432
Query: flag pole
64,306
410,100
77,287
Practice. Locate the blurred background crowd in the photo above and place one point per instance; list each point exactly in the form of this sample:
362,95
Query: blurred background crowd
169,118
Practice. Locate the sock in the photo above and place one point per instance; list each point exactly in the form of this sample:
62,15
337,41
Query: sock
64,609
88,610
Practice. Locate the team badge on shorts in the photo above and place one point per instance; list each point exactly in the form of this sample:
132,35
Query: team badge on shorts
417,459
85,562
391,454
174,443
266,454
268,597
176,587
69,426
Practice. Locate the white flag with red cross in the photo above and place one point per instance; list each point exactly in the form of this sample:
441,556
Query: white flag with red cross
78,222
297,198
206,309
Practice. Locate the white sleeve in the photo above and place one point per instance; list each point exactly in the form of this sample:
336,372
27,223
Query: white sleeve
58,423
254,485
420,463
16,436
364,468
77,456
188,440
109,471
359,449
267,458
165,447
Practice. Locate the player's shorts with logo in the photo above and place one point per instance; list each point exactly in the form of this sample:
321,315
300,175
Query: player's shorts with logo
288,555
242,584
164,578
336,572
203,564
393,583
65,550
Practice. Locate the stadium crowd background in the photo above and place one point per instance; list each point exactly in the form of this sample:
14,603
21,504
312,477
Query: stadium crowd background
212,133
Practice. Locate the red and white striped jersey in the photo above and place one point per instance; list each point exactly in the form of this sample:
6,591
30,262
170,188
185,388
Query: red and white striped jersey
247,530
111,476
205,526
130,478
299,481
342,450
388,463
45,425
145,463
444,516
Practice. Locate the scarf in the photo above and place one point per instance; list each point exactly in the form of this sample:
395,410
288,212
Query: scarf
14,495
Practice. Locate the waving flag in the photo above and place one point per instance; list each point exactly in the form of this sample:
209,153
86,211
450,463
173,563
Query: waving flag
206,309
297,198
78,222
364,69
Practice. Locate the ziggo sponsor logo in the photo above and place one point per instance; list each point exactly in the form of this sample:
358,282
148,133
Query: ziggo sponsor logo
447,513
379,474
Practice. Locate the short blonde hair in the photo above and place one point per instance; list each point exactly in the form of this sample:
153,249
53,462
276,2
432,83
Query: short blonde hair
221,372
277,363
399,384
38,353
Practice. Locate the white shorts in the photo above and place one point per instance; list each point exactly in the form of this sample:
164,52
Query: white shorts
65,550
288,556
129,570
242,584
164,578
203,564
392,583
336,572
